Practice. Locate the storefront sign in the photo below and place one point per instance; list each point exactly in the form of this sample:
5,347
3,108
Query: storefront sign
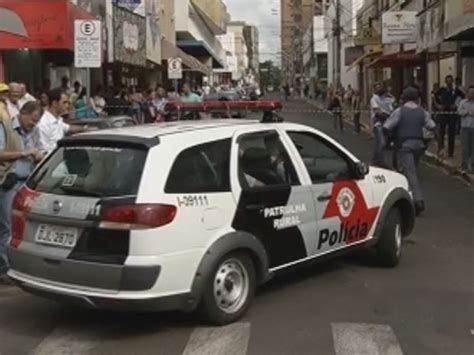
367,36
399,27
87,44
129,37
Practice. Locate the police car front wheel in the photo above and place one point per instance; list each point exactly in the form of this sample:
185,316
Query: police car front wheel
389,246
229,290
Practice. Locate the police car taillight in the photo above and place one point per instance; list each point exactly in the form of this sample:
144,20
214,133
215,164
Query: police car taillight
22,204
18,224
138,216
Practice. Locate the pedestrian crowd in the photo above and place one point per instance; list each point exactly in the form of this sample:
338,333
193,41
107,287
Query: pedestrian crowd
406,126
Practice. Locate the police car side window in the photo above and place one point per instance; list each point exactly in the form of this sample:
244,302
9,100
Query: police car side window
323,161
264,161
202,168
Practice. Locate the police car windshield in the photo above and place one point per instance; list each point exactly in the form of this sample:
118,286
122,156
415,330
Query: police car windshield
91,171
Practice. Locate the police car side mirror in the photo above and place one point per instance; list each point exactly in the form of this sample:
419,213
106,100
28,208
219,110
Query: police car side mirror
362,169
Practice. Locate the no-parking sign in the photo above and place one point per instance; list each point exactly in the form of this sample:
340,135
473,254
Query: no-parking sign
87,44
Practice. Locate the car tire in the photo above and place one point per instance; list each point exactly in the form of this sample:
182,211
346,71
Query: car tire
229,290
389,246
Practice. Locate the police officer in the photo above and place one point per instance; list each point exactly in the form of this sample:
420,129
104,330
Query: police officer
407,125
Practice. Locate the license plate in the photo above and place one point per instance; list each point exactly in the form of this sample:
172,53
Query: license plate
57,235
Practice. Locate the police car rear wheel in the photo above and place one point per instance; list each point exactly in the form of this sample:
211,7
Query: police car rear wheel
229,290
389,247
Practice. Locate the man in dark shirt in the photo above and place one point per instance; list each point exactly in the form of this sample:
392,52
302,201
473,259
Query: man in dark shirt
447,98
117,105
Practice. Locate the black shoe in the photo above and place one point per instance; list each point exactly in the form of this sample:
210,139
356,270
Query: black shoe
419,207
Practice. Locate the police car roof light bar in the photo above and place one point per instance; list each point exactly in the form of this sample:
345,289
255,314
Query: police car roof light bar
265,105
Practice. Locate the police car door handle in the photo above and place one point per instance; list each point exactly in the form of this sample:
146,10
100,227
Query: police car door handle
324,197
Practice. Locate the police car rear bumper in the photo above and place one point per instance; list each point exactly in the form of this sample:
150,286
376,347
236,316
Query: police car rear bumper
182,301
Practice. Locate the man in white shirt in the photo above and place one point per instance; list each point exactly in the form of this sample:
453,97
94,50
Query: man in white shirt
381,107
25,96
51,127
14,95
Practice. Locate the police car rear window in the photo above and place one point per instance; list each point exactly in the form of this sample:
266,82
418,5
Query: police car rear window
91,171
202,168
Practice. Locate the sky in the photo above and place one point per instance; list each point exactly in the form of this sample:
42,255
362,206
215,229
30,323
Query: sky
258,13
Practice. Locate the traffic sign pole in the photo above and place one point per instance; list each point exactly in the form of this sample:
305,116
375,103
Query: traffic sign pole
88,48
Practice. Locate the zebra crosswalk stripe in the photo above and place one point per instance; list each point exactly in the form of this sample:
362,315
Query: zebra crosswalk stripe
363,339
229,340
68,340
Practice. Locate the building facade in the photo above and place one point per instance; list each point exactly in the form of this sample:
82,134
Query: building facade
441,45
348,15
236,46
252,41
296,18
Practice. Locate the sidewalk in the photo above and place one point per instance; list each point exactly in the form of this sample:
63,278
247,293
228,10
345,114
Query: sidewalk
452,165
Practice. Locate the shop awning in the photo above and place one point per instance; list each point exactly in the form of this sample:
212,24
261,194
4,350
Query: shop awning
169,50
201,49
407,59
396,60
47,24
371,54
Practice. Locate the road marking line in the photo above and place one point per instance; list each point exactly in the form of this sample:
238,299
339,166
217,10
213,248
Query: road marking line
229,340
472,331
67,340
363,338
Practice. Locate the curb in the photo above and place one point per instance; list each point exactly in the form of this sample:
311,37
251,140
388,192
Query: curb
428,156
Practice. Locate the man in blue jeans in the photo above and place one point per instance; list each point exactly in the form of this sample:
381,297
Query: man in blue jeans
18,155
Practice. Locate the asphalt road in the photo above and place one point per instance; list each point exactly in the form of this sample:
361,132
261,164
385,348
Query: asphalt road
347,306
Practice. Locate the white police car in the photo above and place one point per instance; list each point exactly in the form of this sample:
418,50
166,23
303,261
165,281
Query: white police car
194,215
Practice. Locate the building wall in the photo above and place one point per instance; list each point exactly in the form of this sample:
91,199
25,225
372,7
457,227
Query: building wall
296,17
240,49
286,38
252,42
181,13
216,10
349,76
167,21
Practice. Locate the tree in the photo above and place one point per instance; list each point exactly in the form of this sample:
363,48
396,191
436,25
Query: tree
270,75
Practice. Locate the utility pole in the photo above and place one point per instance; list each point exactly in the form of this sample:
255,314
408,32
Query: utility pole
338,46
